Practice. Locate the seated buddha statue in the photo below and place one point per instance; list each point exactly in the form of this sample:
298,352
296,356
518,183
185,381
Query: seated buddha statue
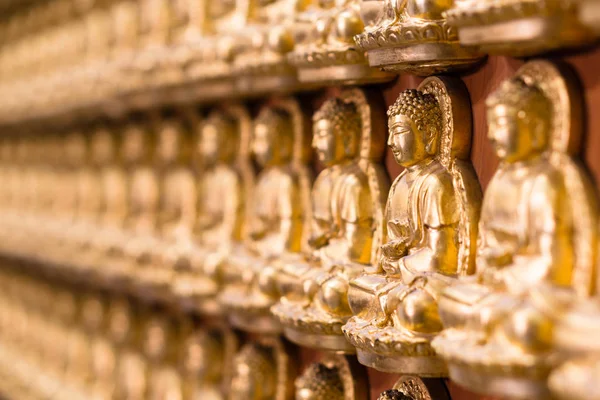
537,242
160,348
177,205
261,370
276,219
347,207
227,175
112,182
333,378
203,364
413,36
126,324
139,228
325,50
431,215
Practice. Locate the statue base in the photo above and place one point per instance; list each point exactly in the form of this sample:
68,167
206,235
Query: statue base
335,343
494,370
426,367
425,59
312,327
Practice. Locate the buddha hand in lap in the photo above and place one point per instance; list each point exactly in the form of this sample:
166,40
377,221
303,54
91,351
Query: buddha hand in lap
276,222
315,289
396,310
536,251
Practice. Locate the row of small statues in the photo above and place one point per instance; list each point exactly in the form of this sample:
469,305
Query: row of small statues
72,57
426,276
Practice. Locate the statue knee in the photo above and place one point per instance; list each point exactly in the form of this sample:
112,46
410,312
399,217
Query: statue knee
418,311
529,329
334,296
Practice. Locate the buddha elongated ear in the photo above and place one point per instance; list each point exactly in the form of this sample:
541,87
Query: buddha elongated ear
431,142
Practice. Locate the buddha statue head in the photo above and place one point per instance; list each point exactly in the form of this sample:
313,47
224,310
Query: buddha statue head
156,338
120,320
320,382
393,394
104,147
520,121
217,139
254,375
136,144
415,122
336,132
170,143
272,138
203,355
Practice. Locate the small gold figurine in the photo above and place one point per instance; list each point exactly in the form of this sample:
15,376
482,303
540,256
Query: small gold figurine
518,27
226,180
161,341
204,361
140,225
334,378
413,36
278,220
126,331
537,241
262,370
432,214
325,51
347,208
177,204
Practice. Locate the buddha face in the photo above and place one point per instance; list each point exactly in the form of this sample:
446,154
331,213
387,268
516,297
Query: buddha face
168,144
156,339
134,145
514,135
406,141
208,145
262,145
328,143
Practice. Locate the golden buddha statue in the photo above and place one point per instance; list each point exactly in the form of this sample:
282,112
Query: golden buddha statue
413,36
112,182
203,363
261,371
347,211
103,356
140,226
278,217
518,28
333,378
325,51
160,345
126,332
537,241
432,214
226,179
177,203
